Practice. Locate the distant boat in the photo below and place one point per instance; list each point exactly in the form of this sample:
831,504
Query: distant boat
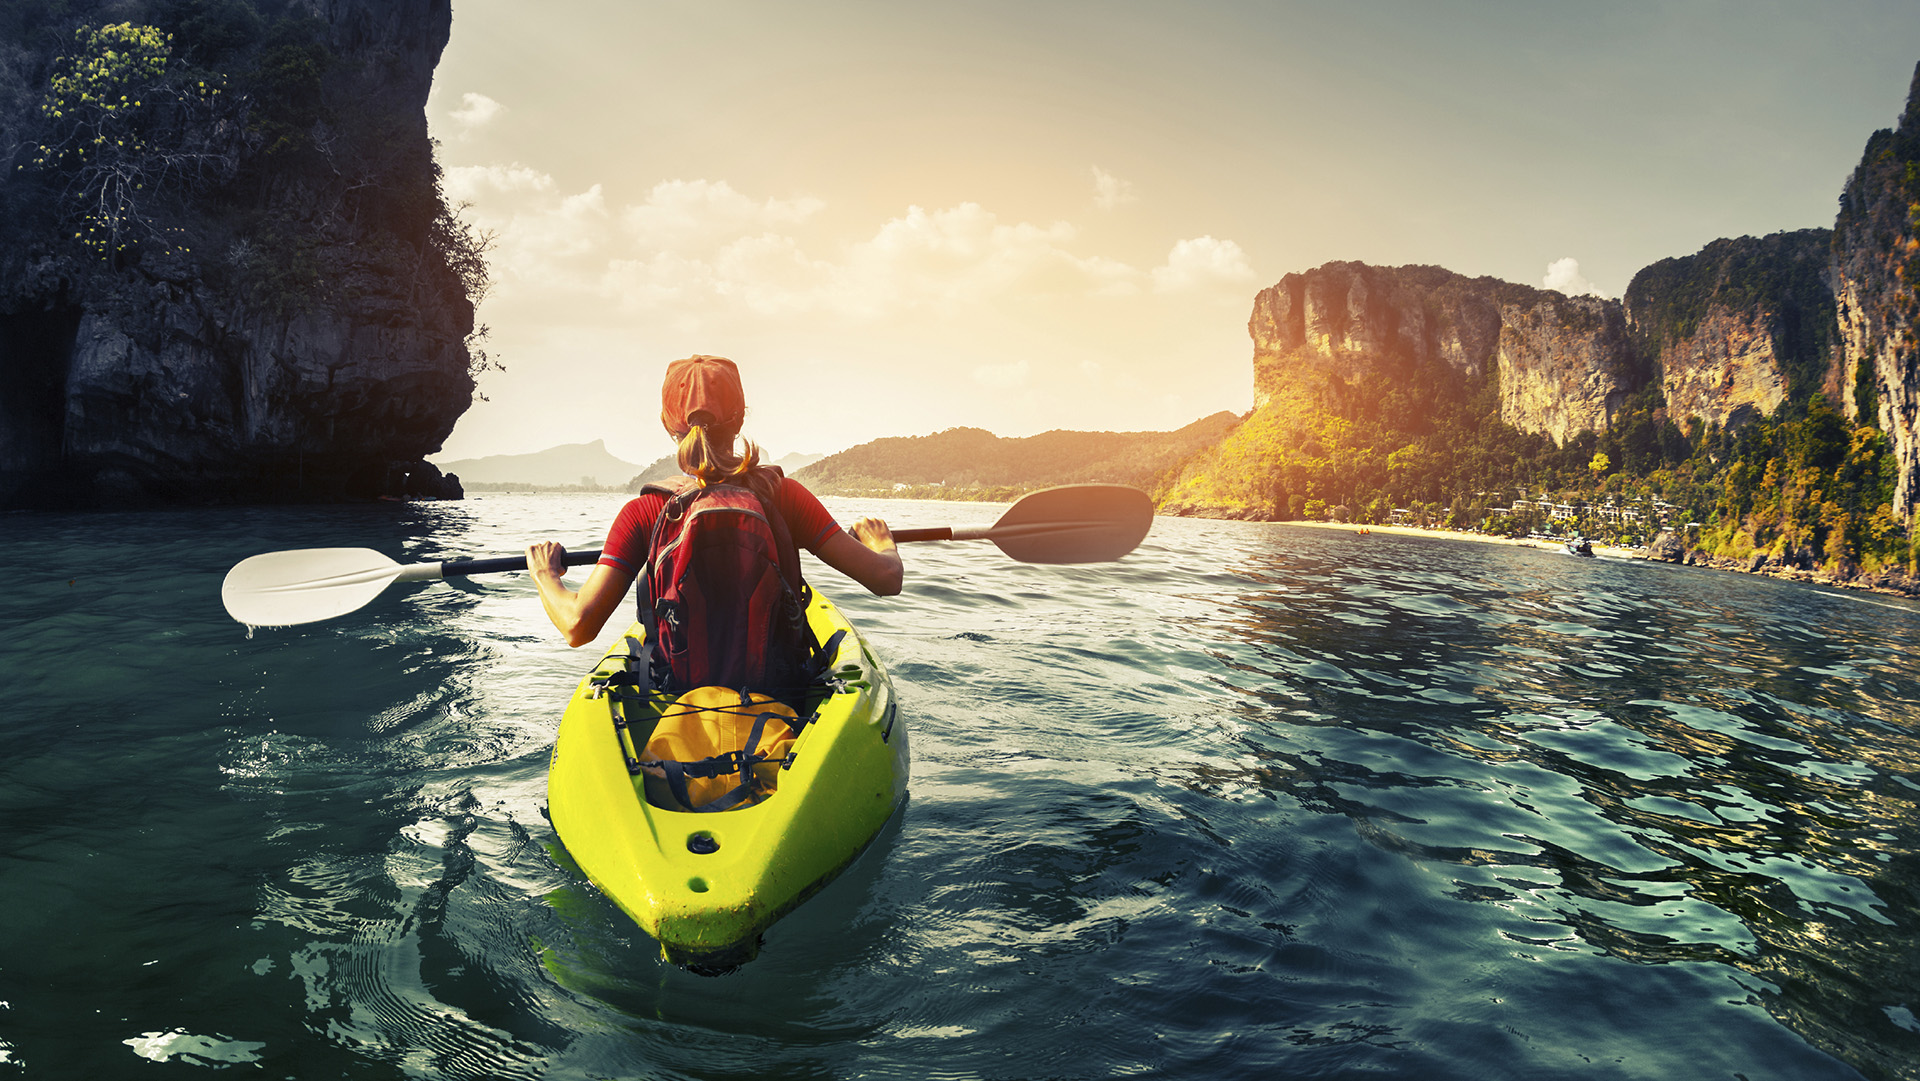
1578,546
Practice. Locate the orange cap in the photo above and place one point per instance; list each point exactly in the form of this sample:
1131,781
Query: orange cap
702,384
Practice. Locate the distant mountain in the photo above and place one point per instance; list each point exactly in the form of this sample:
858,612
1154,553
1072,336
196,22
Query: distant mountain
962,459
794,463
661,469
575,464
669,466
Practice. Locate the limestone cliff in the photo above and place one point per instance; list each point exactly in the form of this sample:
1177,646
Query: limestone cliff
1413,392
1564,364
1876,281
289,318
1726,372
1351,318
1740,327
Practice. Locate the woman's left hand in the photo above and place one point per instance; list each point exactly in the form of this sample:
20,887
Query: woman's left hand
547,557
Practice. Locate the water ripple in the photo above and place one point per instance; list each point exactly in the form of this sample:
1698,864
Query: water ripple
1257,801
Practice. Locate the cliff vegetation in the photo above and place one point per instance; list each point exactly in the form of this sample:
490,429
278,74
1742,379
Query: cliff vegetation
227,269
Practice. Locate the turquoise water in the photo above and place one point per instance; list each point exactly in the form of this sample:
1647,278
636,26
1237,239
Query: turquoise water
1257,801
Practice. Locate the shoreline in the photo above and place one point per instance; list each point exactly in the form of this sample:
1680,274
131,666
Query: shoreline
1778,574
1478,538
1886,585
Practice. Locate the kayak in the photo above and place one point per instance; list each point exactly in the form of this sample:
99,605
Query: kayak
705,885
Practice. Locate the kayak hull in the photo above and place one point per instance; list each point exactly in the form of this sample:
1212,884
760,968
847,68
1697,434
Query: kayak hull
706,885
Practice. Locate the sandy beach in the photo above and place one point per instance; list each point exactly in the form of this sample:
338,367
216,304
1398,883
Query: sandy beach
1482,538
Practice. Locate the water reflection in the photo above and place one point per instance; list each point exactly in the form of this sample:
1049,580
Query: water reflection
1671,765
1259,801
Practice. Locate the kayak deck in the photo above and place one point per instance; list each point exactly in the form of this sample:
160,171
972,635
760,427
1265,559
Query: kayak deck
705,885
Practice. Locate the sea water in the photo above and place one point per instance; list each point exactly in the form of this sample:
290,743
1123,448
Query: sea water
1256,801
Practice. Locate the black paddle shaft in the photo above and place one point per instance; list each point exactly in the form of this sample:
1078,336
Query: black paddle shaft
455,568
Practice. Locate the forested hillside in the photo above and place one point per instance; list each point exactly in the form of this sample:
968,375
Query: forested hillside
969,463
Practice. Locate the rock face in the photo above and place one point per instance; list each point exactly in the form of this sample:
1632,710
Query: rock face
1667,547
1726,372
1352,370
1731,333
1876,267
1565,364
1351,318
1740,327
174,376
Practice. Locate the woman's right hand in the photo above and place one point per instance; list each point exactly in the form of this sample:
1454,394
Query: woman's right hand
874,533
865,552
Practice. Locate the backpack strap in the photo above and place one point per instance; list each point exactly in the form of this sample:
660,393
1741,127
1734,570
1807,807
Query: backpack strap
789,551
807,665
679,492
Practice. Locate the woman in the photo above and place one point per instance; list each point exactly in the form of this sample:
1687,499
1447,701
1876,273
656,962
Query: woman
702,406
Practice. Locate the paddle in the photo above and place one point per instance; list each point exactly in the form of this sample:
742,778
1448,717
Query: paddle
1077,523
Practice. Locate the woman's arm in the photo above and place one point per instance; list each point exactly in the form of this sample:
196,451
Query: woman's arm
866,554
578,616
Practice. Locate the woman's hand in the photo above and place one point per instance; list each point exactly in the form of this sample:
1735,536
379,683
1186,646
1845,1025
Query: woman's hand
865,552
547,557
577,615
874,533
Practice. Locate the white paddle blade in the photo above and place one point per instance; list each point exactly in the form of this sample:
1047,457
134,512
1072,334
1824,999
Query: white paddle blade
281,589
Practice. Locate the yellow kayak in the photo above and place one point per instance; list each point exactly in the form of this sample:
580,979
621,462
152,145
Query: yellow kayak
705,885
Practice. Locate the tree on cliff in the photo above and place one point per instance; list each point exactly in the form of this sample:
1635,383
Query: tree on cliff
124,127
188,125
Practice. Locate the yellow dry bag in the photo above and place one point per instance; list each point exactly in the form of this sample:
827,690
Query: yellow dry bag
716,749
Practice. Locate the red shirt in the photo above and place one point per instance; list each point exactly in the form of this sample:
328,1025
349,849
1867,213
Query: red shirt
626,547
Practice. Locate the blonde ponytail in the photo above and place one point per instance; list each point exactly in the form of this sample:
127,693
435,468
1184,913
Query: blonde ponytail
709,458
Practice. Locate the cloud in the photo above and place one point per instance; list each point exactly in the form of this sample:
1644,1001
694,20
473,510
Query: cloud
475,111
1564,275
1200,264
941,260
574,227
1110,191
1002,376
699,253
467,183
958,255
679,213
542,237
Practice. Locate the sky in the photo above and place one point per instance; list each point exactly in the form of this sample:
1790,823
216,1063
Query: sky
901,217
